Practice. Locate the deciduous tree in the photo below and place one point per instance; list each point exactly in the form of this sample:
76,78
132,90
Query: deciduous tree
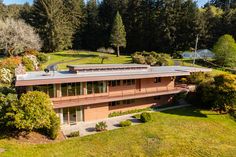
16,36
225,50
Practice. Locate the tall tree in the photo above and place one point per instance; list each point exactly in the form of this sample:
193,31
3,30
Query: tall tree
92,29
225,50
107,13
74,9
53,25
118,34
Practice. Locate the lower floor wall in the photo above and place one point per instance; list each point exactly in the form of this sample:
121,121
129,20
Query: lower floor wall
102,111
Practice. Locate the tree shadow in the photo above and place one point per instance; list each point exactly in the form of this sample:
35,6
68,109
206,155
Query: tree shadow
187,111
77,55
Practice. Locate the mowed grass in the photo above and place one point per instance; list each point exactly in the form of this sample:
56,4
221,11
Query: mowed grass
186,132
85,57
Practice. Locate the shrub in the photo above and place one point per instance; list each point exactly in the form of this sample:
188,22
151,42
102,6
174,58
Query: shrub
152,58
42,58
8,103
5,76
28,63
184,80
54,129
10,63
138,59
197,78
145,117
74,134
31,52
137,116
219,94
115,114
125,123
101,126
33,112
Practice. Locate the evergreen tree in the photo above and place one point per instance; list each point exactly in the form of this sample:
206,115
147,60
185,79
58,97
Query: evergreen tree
91,28
213,24
53,25
74,9
107,13
118,34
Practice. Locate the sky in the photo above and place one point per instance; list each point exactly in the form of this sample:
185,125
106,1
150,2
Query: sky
200,2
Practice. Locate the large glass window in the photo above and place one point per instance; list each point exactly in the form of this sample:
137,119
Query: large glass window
63,90
157,80
79,89
96,87
128,82
71,89
48,89
89,87
114,83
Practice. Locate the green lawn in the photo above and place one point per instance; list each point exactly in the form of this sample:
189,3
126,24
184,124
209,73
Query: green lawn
181,132
86,58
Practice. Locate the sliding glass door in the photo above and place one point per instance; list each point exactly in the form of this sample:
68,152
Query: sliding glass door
72,115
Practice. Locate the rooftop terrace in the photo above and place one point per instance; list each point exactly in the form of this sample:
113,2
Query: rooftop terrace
83,73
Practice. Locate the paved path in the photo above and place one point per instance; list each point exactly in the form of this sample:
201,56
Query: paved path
88,128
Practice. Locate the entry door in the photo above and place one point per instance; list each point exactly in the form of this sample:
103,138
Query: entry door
72,114
79,114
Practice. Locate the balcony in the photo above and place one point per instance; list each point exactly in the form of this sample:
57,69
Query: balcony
116,96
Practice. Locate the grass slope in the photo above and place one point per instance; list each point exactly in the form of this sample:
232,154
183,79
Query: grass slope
86,58
180,132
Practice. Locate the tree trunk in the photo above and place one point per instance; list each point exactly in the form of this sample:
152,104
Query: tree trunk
118,51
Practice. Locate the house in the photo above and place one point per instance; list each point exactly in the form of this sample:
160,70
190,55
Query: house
201,54
92,92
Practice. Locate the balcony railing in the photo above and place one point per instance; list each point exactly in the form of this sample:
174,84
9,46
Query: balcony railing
116,96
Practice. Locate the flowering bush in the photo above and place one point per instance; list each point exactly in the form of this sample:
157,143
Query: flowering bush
10,63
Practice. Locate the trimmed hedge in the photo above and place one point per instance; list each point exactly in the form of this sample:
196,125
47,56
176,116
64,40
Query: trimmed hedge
115,114
125,123
74,134
145,117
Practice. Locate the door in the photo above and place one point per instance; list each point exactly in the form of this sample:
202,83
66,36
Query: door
79,114
72,115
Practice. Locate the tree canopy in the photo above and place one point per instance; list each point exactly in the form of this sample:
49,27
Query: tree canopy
225,50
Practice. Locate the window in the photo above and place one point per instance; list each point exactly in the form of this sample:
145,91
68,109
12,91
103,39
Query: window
71,89
79,89
128,82
48,89
96,87
157,98
128,102
63,89
89,87
114,103
114,83
157,80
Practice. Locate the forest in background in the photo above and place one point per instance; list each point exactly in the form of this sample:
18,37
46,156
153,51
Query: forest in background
167,26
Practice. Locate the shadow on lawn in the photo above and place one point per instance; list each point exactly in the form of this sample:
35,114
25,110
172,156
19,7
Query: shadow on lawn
188,111
78,55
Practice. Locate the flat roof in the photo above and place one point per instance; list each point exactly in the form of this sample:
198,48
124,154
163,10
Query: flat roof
40,77
86,66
